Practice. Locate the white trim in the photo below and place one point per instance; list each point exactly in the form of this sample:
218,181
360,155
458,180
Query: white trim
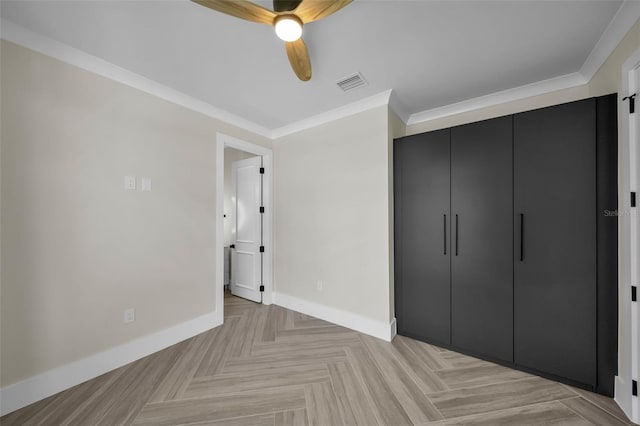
219,280
334,114
70,55
223,141
629,317
379,329
394,329
396,106
622,396
231,142
21,394
624,19
509,95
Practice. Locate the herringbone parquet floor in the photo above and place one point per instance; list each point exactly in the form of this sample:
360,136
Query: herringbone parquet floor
271,366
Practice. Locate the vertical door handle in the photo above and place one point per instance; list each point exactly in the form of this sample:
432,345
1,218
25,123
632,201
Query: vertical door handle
445,234
456,235
521,237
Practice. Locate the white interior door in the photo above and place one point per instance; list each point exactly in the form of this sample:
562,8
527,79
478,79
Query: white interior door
246,259
634,174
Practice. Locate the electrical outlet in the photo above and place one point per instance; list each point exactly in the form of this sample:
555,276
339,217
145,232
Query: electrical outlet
319,285
129,315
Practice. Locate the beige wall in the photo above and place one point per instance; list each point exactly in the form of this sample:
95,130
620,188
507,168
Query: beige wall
332,214
230,155
77,248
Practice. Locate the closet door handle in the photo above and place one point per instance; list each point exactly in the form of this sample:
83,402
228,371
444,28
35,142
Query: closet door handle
456,235
521,237
445,234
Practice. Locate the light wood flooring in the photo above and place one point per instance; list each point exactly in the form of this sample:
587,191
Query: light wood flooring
271,366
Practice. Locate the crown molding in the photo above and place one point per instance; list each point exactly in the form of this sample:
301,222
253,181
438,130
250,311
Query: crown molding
376,100
624,19
398,107
509,95
24,37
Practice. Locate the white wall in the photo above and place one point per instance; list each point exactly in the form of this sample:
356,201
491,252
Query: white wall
77,249
332,215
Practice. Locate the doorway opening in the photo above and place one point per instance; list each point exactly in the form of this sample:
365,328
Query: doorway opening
243,221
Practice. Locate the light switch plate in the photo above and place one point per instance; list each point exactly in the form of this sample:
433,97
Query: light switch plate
129,315
129,182
146,183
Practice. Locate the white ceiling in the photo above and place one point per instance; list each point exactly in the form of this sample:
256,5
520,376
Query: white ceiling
431,53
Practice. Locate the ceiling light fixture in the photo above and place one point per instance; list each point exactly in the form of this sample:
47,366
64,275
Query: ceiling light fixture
288,27
288,17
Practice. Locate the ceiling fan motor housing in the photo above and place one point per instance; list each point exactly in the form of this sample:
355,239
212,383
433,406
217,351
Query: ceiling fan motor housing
285,5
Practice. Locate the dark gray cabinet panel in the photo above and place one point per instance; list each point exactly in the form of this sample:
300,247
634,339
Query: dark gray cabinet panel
607,241
422,236
555,230
481,265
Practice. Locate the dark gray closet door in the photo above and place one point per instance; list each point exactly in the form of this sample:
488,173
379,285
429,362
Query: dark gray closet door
422,236
482,245
555,260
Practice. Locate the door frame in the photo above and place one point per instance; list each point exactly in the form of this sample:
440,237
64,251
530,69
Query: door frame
628,267
225,141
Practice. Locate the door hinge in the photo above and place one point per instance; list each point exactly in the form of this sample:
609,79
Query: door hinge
261,170
634,293
261,209
261,288
632,102
633,199
261,249
634,388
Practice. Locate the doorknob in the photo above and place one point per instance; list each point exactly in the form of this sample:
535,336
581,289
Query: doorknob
232,246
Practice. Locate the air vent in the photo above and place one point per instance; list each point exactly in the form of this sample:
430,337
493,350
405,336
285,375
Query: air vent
351,82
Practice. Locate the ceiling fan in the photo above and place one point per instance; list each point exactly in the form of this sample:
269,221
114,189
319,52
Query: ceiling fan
288,18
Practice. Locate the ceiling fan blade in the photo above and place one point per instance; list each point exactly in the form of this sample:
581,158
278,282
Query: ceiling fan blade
312,10
240,9
299,59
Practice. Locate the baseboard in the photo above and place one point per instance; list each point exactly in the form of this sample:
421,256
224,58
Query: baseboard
33,389
379,329
625,400
394,329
